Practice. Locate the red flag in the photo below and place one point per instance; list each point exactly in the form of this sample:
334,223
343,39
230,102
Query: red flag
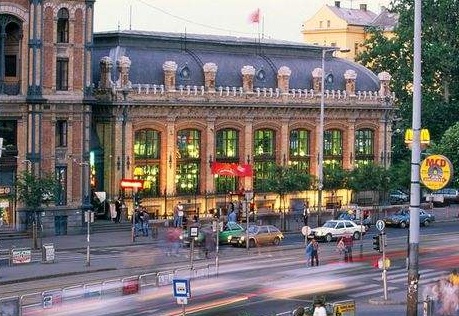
255,16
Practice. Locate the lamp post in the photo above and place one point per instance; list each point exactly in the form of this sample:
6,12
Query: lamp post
320,170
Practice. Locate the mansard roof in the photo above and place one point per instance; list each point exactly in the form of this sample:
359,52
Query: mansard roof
148,51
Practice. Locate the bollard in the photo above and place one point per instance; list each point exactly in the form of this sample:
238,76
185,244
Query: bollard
427,306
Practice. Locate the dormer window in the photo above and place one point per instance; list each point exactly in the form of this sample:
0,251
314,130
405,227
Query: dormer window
185,73
261,75
63,26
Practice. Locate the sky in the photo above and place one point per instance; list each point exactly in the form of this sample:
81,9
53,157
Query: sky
280,19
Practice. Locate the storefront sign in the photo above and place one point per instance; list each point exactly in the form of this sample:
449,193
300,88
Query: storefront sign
436,172
20,256
5,190
132,183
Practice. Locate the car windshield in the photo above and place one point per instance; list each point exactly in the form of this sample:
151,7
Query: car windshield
330,224
253,229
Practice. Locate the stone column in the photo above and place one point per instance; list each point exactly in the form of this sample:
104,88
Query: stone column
283,79
123,65
106,65
384,80
317,80
350,76
169,68
210,72
248,72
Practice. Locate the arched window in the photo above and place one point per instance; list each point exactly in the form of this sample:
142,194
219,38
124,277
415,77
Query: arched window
364,146
10,59
333,147
188,161
299,151
226,151
147,152
63,26
264,158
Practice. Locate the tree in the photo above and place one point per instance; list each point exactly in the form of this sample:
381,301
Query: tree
448,147
286,180
35,191
440,51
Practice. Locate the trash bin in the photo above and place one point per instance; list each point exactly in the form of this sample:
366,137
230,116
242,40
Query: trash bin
47,253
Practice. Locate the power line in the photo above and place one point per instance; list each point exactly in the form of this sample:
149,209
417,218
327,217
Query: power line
190,21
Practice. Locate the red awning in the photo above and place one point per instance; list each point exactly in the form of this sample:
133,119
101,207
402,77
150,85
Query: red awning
231,169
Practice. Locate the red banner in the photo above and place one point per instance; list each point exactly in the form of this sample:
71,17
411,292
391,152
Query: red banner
131,183
231,169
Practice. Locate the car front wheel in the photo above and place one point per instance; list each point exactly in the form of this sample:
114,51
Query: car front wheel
328,237
426,223
403,225
356,235
252,243
276,241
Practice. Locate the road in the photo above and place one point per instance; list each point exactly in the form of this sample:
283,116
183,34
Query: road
263,281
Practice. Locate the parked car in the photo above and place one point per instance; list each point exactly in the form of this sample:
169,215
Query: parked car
398,197
401,218
258,235
445,196
334,229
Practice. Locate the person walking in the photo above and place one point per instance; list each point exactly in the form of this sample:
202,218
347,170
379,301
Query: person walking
178,215
118,210
348,243
232,217
308,254
315,252
145,223
341,248
306,213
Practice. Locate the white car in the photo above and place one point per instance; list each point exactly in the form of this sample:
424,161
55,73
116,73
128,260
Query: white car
334,229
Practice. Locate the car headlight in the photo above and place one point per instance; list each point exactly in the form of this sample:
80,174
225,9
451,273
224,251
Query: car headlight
319,233
242,238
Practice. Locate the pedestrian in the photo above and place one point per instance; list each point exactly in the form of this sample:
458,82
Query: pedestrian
308,254
306,213
314,252
348,243
137,222
341,248
209,242
145,223
173,241
178,215
232,217
118,210
319,308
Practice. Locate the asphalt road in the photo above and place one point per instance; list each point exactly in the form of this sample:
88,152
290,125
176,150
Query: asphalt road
264,281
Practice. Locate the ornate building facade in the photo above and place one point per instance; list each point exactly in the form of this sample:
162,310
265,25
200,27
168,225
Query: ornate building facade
94,109
45,105
169,106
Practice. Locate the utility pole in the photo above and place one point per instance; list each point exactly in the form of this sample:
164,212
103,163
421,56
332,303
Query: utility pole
413,264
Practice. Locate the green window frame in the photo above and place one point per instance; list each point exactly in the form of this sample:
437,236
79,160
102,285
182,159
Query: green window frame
147,144
299,149
264,149
188,162
333,147
364,147
226,150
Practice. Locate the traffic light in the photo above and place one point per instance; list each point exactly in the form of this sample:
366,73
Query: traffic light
377,243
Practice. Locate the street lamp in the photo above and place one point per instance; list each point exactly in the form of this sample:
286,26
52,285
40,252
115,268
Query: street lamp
320,170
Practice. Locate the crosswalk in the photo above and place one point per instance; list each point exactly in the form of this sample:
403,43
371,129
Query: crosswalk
396,280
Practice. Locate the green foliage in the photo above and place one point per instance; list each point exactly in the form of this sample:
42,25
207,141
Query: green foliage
36,191
287,180
369,177
449,147
335,177
440,66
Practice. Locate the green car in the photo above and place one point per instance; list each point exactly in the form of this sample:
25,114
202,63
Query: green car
228,229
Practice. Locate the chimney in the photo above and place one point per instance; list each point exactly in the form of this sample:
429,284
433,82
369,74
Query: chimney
363,7
338,4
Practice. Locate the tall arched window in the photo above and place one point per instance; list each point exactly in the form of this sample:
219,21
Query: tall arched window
299,151
188,161
147,149
10,45
264,158
364,147
333,147
226,151
63,26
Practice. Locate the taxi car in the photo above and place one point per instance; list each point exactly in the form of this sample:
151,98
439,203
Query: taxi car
257,235
336,228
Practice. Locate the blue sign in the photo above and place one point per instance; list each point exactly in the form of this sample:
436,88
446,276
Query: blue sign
181,288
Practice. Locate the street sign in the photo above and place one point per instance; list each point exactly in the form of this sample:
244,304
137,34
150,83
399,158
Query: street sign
380,225
182,288
305,230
